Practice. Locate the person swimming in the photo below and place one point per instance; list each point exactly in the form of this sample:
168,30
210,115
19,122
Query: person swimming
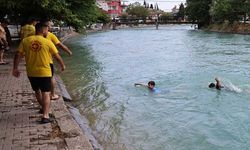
228,86
218,85
150,86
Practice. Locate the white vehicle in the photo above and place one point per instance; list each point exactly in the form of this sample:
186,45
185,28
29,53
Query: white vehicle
55,29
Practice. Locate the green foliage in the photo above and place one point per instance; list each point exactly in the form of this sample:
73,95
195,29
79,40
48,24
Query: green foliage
231,10
219,10
181,12
103,17
151,6
77,13
137,11
248,7
124,16
166,17
198,10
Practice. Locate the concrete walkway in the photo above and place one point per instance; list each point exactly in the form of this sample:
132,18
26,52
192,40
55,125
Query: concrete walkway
20,128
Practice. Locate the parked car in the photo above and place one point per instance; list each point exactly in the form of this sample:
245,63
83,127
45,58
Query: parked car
55,29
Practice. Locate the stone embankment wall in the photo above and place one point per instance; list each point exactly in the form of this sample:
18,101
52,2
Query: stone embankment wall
237,28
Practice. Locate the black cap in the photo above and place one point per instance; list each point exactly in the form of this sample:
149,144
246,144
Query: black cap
211,85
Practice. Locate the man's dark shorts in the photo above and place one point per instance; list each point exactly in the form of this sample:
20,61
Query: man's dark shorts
40,83
52,69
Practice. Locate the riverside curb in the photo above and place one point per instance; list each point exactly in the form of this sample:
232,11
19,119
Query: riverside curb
73,134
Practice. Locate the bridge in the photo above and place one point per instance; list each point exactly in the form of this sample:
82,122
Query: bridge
155,22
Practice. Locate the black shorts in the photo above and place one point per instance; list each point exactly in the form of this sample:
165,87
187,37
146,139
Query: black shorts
52,69
40,83
2,47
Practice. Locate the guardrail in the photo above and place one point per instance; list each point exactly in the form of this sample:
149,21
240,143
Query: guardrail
147,22
159,22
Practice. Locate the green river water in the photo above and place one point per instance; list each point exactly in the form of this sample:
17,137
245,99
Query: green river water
185,114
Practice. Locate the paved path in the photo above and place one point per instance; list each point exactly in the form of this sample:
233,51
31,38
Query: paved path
20,128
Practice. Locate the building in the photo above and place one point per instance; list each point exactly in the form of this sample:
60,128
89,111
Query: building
115,8
124,7
102,4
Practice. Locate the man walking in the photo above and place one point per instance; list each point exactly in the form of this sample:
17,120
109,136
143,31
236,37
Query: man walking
50,36
38,52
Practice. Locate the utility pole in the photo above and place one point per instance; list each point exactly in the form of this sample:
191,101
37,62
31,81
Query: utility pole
114,23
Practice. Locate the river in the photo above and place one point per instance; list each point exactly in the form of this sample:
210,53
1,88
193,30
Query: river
185,114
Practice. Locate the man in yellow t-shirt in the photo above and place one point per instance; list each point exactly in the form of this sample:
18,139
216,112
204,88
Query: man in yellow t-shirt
38,52
28,29
55,40
52,37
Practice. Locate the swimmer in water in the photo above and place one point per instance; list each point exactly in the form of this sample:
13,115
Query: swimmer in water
218,85
150,86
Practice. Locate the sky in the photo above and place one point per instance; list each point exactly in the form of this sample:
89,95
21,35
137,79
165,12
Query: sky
165,5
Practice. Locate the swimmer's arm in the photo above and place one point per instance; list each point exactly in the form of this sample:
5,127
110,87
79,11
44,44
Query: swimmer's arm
218,84
140,84
219,87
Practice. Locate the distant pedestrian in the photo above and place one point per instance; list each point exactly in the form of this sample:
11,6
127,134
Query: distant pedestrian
5,23
3,45
38,52
28,29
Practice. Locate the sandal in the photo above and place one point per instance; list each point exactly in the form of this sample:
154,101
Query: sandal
55,97
41,112
4,63
46,120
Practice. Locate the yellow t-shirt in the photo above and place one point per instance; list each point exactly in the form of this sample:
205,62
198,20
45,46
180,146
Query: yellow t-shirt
27,30
52,37
38,53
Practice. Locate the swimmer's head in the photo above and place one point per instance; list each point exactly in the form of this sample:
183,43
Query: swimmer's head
211,85
151,84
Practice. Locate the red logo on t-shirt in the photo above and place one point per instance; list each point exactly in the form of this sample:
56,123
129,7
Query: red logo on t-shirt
36,46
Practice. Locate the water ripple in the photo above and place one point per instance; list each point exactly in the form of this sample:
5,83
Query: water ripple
182,62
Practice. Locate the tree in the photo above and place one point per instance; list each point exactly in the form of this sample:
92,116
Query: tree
137,11
247,7
239,9
166,17
144,3
124,17
181,12
198,10
77,13
221,10
151,6
103,17
81,12
156,6
231,10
